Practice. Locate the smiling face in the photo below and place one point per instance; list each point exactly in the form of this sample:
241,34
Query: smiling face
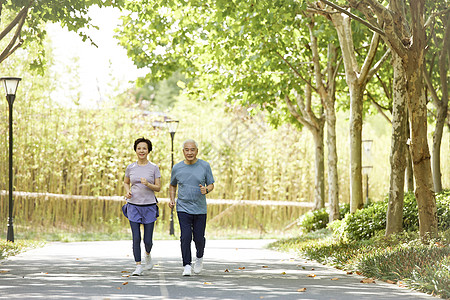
142,150
190,152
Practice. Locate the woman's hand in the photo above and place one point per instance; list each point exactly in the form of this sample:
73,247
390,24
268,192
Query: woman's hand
128,195
144,181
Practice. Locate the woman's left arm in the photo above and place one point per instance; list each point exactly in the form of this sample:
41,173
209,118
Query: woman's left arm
156,187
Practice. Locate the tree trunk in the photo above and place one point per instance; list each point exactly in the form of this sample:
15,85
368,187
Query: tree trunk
437,140
343,29
319,185
327,95
409,168
394,217
333,187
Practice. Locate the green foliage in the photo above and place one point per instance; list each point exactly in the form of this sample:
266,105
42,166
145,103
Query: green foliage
318,219
367,222
421,267
72,14
13,248
398,258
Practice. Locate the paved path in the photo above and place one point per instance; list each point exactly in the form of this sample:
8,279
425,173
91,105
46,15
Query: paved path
233,269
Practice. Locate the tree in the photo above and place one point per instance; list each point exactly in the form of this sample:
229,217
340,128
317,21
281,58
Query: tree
404,32
24,20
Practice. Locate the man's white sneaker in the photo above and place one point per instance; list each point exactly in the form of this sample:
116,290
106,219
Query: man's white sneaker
148,262
198,265
138,271
187,270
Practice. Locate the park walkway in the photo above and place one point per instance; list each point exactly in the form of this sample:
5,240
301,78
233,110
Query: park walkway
233,269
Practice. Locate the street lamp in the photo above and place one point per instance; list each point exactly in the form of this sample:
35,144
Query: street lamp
11,84
367,145
172,125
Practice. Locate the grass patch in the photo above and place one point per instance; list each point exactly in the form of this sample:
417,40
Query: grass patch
10,249
400,258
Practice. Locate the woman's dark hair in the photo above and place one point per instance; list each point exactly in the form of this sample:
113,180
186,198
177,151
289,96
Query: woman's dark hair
140,140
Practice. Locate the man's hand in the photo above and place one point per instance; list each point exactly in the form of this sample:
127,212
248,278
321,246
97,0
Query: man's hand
203,189
171,203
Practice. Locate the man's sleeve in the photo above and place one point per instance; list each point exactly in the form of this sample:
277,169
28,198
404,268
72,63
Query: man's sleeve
173,177
209,175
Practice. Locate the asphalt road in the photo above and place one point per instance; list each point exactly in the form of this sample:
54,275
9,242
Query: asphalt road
233,269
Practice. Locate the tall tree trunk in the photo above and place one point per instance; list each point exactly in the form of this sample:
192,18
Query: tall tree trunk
319,184
413,65
409,168
343,29
356,192
441,107
437,141
327,94
394,217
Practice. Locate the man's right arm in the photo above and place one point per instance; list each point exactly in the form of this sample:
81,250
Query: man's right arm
172,194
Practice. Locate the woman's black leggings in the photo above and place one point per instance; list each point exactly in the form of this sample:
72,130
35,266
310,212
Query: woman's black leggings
148,238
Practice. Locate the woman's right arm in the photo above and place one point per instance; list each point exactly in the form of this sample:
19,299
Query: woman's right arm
127,186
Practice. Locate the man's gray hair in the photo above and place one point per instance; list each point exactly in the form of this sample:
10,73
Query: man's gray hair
190,141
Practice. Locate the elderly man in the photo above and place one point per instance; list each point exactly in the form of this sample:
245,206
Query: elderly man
194,179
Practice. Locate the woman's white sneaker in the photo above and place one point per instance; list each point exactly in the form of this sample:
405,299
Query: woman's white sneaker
187,270
198,265
148,262
138,271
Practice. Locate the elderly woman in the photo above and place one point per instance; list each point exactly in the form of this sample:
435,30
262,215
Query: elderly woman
142,180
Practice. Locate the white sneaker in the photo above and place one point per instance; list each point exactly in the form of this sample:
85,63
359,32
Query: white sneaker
198,265
148,262
138,271
187,270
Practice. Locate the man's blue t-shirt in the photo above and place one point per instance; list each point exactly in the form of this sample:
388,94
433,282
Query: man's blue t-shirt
188,177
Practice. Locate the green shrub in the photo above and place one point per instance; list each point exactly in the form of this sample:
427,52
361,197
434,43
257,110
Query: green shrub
366,223
318,219
443,209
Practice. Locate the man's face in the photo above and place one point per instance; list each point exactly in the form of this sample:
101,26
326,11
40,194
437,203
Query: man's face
190,152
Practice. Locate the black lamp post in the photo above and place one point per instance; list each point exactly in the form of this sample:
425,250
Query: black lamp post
172,125
367,145
11,84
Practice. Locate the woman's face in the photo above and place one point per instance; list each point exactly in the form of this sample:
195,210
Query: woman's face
142,150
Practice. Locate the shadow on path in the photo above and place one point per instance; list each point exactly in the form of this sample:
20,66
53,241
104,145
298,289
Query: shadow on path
233,269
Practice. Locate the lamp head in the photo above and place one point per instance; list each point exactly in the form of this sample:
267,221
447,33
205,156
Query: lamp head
172,125
10,84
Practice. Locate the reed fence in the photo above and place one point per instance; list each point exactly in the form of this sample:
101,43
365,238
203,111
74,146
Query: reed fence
75,213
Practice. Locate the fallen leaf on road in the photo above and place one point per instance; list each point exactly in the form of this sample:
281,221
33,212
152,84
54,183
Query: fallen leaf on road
283,273
312,269
241,268
335,278
125,272
226,270
358,273
125,275
119,288
207,283
3,271
390,281
367,280
301,290
265,266
349,273
77,258
312,275
125,283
